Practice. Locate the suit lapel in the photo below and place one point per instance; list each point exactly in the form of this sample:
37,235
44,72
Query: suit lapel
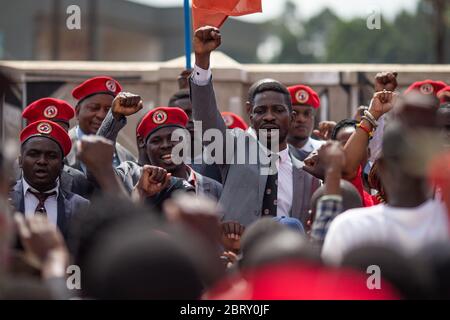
62,215
17,198
66,180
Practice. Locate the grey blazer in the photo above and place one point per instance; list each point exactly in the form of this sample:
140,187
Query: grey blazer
69,204
243,184
72,160
129,172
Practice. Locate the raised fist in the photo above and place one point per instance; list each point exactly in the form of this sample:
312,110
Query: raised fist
206,39
126,104
382,103
95,152
152,181
325,130
386,81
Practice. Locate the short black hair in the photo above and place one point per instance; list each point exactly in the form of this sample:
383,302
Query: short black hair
181,94
341,125
269,85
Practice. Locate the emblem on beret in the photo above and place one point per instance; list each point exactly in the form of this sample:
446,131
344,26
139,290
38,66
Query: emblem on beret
159,117
111,85
228,120
50,112
44,128
302,96
426,88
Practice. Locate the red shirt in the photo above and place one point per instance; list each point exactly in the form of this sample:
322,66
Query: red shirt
358,183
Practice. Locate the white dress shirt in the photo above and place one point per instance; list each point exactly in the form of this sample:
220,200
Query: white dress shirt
201,76
312,144
31,202
285,184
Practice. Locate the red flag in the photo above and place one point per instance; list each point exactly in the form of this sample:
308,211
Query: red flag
215,12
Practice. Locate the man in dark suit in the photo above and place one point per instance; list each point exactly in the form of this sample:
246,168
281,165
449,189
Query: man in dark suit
95,97
250,190
39,191
60,112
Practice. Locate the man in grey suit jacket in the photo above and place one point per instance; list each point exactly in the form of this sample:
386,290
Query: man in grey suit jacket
270,111
95,97
156,135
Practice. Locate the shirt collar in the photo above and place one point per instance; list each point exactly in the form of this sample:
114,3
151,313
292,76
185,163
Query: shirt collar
284,155
80,133
27,187
308,147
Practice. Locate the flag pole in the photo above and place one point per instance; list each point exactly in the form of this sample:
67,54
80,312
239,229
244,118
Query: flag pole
187,33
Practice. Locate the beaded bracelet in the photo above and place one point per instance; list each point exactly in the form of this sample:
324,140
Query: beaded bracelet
367,130
371,117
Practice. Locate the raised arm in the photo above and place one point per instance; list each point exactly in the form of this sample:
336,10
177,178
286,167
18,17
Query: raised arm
123,105
382,102
204,105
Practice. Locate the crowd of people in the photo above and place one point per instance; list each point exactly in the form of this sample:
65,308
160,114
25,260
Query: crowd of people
357,209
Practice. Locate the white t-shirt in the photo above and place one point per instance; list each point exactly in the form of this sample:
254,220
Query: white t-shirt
405,229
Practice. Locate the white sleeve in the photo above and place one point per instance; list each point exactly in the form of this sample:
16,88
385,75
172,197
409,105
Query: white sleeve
201,77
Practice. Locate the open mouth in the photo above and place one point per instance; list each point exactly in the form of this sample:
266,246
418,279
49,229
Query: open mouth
41,173
167,158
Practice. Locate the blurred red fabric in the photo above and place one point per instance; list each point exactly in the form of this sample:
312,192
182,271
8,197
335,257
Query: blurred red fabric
214,13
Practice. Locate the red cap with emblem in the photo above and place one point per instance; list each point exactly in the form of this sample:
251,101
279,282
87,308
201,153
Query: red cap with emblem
48,109
96,85
444,94
304,95
49,130
427,87
162,117
232,121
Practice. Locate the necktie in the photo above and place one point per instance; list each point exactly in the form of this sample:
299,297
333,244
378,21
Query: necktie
269,207
42,197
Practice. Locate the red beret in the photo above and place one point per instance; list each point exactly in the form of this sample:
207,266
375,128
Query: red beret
232,121
50,130
427,86
48,109
443,93
96,85
162,117
304,95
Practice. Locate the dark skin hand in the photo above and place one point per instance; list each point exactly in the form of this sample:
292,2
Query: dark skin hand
198,213
206,40
325,130
153,180
43,244
95,152
231,236
126,104
386,81
183,82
